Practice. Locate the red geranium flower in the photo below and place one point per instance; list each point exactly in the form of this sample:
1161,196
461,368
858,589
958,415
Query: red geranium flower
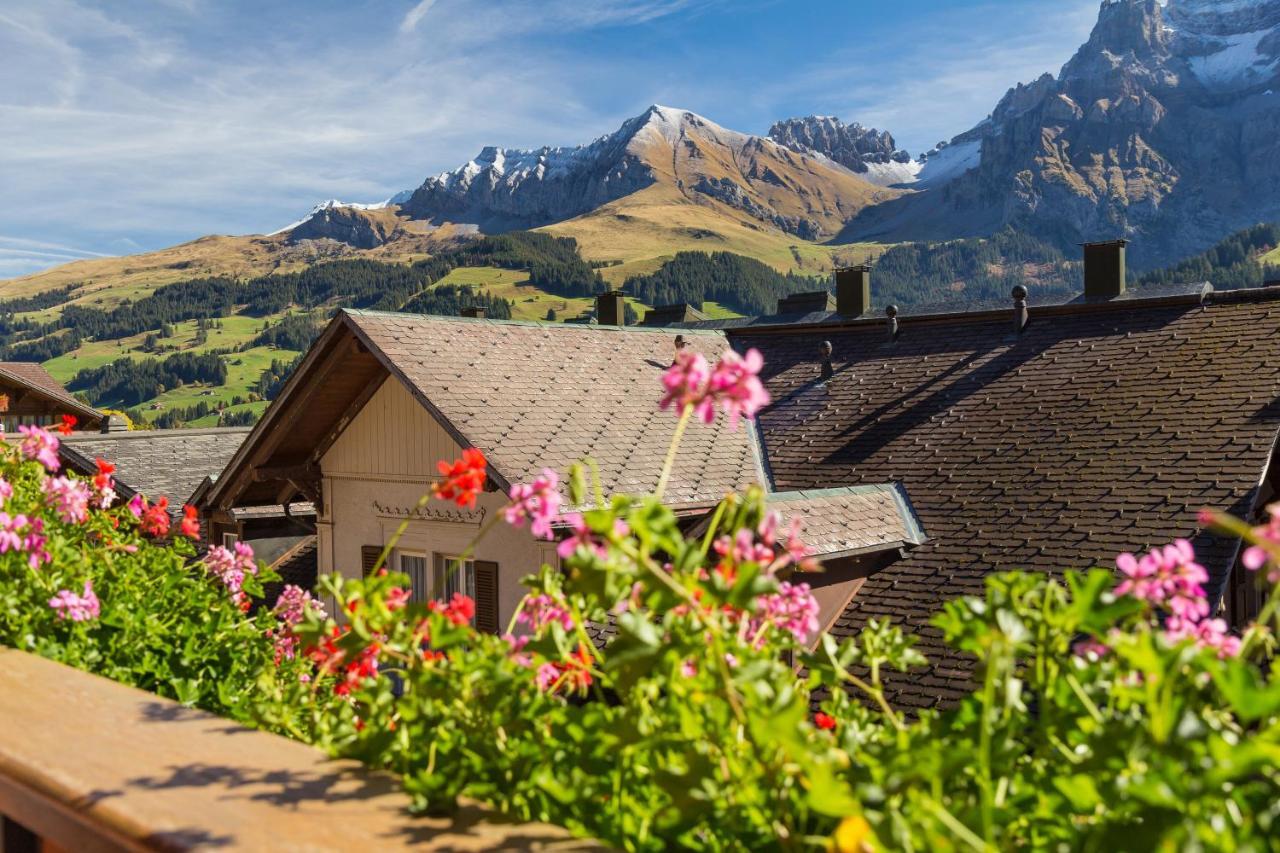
460,610
463,478
190,522
155,518
68,424
824,721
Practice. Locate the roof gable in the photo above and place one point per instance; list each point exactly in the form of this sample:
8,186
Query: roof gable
35,378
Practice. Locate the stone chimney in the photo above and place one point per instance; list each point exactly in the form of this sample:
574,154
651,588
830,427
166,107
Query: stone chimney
1104,270
476,311
853,291
611,308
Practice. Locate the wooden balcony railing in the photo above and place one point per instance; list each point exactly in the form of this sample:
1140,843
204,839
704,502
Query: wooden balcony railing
87,764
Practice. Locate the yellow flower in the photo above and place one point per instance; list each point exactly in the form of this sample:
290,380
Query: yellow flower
853,835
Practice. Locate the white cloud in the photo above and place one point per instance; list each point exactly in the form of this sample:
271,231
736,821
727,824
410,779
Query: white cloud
415,16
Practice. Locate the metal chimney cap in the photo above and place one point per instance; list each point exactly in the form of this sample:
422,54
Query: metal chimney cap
891,311
1019,292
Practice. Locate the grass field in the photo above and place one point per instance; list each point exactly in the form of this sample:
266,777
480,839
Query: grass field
1271,259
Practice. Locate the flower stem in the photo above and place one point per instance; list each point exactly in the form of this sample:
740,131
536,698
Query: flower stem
670,461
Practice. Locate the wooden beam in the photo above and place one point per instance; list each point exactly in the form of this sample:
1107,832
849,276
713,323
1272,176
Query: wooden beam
296,473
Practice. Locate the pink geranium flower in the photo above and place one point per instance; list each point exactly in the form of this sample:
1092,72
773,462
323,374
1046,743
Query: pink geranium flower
26,535
40,445
685,384
6,489
291,608
539,502
733,384
77,608
539,611
1256,556
68,498
581,536
792,609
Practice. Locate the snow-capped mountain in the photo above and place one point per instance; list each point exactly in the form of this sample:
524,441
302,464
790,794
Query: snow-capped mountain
1164,126
674,153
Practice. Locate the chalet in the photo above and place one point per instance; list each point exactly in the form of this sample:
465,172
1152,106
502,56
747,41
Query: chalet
30,396
380,398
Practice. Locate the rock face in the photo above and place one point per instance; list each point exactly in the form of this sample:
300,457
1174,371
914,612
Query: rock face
692,159
350,224
1164,126
857,148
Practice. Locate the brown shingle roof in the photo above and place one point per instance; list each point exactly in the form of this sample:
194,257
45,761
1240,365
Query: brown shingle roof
542,395
34,376
161,462
1098,430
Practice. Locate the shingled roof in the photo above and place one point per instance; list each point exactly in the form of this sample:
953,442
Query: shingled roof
529,395
33,376
1099,429
163,462
849,521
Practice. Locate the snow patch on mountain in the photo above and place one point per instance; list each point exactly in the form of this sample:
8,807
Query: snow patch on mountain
893,173
1238,63
948,161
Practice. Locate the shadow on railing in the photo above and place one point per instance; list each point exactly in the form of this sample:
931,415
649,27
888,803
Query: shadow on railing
87,764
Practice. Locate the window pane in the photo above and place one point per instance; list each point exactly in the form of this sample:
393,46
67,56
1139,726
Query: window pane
415,566
454,576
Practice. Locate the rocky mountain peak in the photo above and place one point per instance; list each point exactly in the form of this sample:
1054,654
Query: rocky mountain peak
851,145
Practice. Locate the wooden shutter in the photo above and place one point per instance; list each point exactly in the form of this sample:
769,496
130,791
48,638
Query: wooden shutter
369,555
486,596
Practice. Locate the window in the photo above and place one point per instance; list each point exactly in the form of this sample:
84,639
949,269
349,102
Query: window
229,540
415,566
454,575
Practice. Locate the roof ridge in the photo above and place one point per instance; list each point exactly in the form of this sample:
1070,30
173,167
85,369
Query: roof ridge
88,435
362,312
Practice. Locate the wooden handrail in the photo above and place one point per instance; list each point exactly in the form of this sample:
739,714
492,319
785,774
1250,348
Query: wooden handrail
87,764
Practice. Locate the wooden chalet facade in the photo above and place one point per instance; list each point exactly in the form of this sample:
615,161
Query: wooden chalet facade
30,396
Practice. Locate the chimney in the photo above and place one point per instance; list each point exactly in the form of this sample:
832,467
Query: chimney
611,308
1020,313
853,291
476,311
114,423
891,322
1104,270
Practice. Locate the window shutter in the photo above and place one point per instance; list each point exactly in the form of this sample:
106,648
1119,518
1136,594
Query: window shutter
369,555
486,596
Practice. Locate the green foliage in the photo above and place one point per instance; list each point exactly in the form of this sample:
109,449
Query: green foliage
293,332
743,284
1231,264
689,729
449,300
165,625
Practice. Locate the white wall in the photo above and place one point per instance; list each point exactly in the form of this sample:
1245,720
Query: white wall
374,475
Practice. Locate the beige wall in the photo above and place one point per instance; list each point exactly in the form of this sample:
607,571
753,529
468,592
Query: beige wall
374,475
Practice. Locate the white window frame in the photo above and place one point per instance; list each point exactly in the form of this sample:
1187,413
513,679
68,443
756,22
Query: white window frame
229,540
463,581
417,592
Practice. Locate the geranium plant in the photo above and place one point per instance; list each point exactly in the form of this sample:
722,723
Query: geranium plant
109,587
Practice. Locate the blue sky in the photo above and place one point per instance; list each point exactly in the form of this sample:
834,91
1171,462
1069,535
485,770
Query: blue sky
132,125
